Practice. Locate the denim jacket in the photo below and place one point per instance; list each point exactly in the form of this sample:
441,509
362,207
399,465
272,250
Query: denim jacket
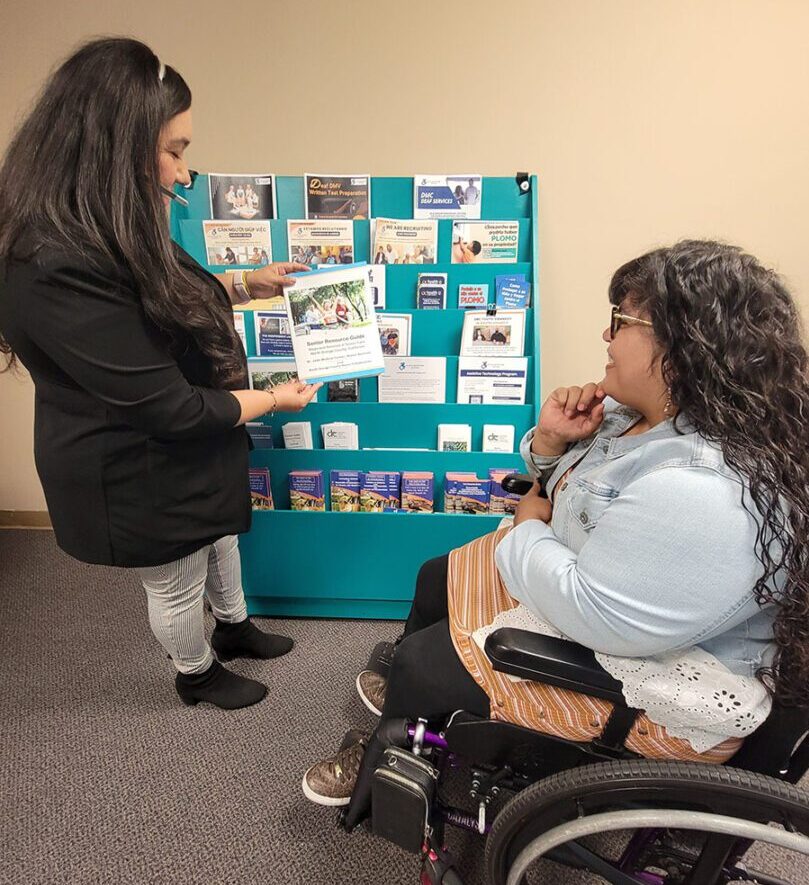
649,549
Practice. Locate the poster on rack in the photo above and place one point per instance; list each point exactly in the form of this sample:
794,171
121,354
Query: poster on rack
334,330
405,242
500,333
447,196
485,242
318,243
337,196
237,242
242,196
489,381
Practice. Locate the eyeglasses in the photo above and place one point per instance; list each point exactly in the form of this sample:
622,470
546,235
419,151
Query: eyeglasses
618,319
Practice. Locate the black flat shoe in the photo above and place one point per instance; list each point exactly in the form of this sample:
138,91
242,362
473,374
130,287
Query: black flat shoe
220,687
245,640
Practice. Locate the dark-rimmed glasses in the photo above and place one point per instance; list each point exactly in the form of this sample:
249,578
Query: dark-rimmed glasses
618,319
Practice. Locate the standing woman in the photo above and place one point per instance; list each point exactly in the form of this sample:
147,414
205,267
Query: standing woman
141,381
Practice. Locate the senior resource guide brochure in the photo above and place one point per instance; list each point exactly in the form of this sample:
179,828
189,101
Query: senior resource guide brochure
334,330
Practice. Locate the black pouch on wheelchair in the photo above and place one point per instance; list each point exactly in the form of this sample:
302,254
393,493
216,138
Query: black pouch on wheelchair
402,796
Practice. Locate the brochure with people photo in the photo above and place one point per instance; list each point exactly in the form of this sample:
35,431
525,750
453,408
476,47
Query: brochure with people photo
404,242
447,196
318,243
394,333
237,242
242,196
501,333
334,330
485,242
272,333
337,196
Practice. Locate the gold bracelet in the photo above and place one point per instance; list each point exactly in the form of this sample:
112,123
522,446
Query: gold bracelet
274,402
244,282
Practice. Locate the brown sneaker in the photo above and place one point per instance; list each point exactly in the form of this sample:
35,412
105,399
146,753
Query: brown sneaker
371,688
331,782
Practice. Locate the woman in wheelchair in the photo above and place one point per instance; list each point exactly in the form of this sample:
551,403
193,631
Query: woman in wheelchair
672,540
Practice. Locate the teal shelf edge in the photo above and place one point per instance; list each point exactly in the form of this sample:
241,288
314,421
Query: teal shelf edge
370,609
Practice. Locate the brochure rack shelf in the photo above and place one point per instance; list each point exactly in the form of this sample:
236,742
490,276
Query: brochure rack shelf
364,564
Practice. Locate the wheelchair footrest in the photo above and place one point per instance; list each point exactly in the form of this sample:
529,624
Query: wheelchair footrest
403,791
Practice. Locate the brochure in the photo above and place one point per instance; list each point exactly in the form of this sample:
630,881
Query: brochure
465,493
497,334
405,242
498,438
376,274
380,490
454,438
492,381
345,391
334,331
306,490
447,196
473,295
485,242
238,323
394,333
512,291
266,373
431,291
321,242
413,380
260,489
337,196
340,435
345,490
260,434
297,435
418,491
272,333
242,196
237,242
501,501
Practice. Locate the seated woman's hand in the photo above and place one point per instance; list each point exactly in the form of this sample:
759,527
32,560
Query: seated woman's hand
293,396
568,415
271,280
531,506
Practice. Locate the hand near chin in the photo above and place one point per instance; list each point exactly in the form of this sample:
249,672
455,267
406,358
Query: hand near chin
568,415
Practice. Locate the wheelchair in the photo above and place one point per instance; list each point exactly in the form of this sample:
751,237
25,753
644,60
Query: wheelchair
677,823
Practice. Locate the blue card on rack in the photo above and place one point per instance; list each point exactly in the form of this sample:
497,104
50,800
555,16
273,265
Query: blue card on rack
512,291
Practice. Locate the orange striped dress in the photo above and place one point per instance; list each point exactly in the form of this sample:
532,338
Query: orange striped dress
476,595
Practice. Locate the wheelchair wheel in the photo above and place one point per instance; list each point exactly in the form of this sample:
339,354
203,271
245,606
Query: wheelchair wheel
593,792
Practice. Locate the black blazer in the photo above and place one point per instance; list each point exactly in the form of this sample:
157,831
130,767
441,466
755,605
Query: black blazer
138,456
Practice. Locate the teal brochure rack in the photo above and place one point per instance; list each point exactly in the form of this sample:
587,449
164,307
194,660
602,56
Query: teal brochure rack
364,565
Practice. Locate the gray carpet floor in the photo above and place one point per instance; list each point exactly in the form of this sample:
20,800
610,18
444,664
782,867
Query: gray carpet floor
105,777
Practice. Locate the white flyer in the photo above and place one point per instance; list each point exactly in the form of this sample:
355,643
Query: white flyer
485,242
491,381
329,242
447,196
237,242
404,242
334,331
413,380
498,334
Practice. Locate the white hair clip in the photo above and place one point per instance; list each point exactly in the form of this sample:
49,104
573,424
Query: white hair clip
162,72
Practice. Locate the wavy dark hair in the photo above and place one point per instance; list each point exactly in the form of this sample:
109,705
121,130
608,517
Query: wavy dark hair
736,365
82,174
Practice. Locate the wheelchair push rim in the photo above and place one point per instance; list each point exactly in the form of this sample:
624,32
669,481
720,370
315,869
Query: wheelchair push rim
593,791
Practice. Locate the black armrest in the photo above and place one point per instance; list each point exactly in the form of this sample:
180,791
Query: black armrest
553,661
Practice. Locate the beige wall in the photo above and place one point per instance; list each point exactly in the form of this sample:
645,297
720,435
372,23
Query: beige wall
646,122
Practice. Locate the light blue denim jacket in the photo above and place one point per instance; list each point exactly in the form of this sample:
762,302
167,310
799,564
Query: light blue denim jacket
649,549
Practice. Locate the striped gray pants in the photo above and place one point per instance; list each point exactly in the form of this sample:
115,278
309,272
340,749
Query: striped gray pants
175,590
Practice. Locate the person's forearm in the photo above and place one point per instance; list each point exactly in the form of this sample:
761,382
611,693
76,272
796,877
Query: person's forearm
254,404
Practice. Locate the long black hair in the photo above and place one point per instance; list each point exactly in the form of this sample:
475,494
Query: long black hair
736,367
82,174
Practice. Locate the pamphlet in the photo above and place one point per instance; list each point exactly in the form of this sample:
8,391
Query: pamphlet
454,438
238,323
512,291
337,196
297,435
492,381
272,333
345,490
431,291
261,434
501,501
447,196
394,333
498,438
418,491
420,379
266,373
497,334
347,390
306,490
321,242
260,489
237,242
376,275
473,295
405,242
465,493
485,242
380,490
242,196
334,331
340,435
